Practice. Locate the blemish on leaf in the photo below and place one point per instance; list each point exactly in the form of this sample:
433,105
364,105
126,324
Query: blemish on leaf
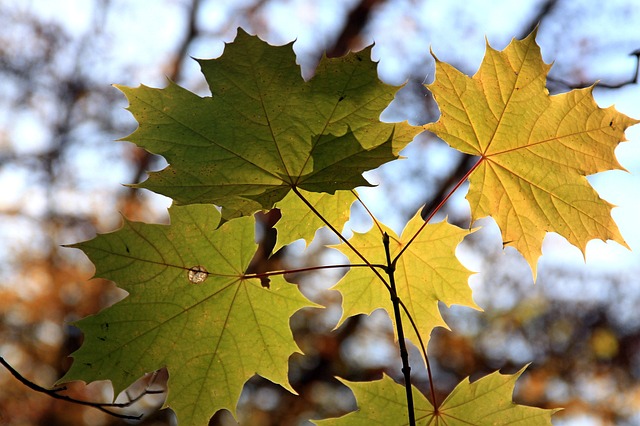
197,274
126,247
265,282
341,99
102,339
104,326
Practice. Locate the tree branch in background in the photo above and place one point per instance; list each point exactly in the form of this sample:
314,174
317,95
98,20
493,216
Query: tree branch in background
465,163
174,74
633,80
350,34
543,12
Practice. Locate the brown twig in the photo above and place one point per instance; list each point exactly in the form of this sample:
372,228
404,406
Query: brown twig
404,354
102,406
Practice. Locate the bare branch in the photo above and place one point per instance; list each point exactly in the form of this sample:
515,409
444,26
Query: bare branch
102,406
633,80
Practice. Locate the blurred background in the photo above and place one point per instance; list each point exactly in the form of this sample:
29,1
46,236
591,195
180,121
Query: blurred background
61,176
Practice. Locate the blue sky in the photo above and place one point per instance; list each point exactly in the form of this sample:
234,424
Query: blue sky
596,47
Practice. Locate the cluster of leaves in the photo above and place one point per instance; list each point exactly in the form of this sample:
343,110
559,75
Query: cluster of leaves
267,139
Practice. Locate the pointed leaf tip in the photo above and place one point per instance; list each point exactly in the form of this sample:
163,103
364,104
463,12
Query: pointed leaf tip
535,150
264,129
420,281
487,401
189,309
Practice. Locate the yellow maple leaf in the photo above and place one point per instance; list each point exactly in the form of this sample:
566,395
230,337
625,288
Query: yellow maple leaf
535,150
299,221
426,273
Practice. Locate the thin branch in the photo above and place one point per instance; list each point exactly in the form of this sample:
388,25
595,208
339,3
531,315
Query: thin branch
633,80
544,11
313,268
394,297
175,69
464,163
404,355
406,311
393,263
375,221
390,269
54,393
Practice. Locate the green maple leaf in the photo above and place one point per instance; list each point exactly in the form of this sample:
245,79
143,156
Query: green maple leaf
485,402
381,402
426,273
213,330
535,150
264,130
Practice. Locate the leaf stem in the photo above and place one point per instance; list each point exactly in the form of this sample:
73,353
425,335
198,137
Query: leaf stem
438,207
339,235
390,270
395,260
406,311
313,268
375,221
404,355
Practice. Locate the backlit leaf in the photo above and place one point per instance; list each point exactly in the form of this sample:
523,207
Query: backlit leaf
488,401
428,272
299,221
381,402
265,130
485,402
535,150
189,309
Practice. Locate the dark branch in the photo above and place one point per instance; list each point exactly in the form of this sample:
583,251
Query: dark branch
404,354
54,393
350,34
543,12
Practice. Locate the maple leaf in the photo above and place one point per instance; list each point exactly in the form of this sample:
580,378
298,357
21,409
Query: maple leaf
535,150
426,273
299,221
265,130
486,401
380,402
189,308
